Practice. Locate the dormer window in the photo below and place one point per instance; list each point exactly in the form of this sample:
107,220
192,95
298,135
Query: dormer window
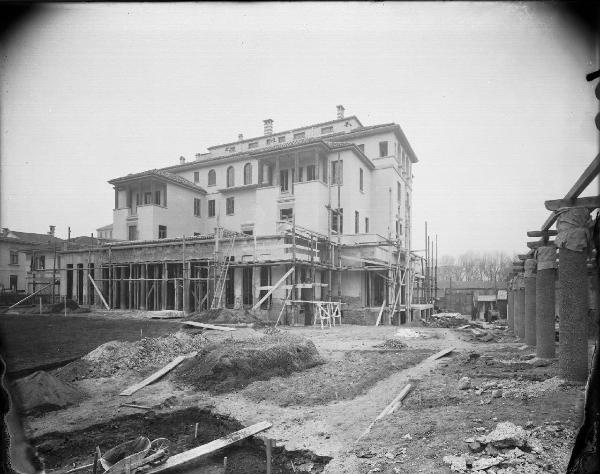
253,145
230,148
325,130
299,135
270,141
281,139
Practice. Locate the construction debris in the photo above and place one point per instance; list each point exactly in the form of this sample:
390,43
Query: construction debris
445,320
224,316
41,392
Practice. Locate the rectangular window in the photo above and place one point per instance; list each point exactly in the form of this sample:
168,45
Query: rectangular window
148,198
326,130
281,139
334,220
211,208
366,225
13,279
196,176
356,222
138,199
286,214
40,263
253,145
361,179
162,231
399,193
361,147
132,232
299,135
383,149
337,176
248,232
157,198
270,141
310,173
14,257
197,207
283,180
229,206
230,149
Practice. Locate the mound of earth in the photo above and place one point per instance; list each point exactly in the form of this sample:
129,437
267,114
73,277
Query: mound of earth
233,364
224,316
41,392
118,357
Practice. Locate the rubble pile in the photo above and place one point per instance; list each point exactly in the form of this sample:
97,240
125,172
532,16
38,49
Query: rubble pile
445,320
118,357
510,388
507,449
391,343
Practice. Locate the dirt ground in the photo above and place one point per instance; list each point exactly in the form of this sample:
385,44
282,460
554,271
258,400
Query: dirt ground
326,409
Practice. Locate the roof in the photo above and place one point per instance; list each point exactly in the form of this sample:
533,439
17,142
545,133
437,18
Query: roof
160,174
287,131
105,227
34,238
326,144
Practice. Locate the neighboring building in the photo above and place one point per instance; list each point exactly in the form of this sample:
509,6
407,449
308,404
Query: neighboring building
105,232
332,200
27,260
469,297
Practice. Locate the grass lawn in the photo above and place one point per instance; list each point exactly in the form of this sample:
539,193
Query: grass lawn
33,340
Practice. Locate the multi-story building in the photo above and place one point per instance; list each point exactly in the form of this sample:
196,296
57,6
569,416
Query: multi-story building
332,200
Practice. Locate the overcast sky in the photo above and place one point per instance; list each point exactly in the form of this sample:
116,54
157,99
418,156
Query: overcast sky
492,97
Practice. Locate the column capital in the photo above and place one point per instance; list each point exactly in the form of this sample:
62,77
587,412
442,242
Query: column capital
530,267
573,228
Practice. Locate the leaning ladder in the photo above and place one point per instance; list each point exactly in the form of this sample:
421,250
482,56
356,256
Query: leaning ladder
217,295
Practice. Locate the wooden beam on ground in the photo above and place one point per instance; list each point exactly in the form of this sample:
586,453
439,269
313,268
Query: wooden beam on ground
388,409
542,233
187,457
156,375
132,405
279,282
584,180
98,291
207,326
441,353
555,204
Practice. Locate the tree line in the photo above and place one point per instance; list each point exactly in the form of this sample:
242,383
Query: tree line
493,267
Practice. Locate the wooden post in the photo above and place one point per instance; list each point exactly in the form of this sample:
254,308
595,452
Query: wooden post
185,280
123,289
143,287
269,445
130,288
164,285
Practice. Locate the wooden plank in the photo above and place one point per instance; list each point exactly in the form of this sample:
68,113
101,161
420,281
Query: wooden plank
555,204
542,233
584,180
207,326
388,409
398,400
156,375
132,405
195,454
441,353
98,291
380,313
279,282
80,468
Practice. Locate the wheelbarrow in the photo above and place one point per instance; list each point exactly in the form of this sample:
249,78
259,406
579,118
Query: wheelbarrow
135,455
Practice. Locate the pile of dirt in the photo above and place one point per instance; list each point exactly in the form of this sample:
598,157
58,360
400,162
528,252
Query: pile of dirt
392,344
234,363
118,357
224,316
445,320
41,392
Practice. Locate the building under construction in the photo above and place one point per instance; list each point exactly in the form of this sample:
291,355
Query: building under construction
294,224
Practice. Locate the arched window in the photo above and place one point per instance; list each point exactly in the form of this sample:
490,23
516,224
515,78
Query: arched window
248,173
212,178
230,180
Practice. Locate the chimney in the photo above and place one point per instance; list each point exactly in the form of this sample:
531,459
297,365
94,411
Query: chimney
182,160
240,137
268,126
52,229
340,112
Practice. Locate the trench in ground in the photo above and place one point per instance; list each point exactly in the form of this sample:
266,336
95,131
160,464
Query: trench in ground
75,448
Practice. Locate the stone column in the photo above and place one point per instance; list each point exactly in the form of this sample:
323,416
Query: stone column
530,282
545,302
510,315
572,241
519,306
